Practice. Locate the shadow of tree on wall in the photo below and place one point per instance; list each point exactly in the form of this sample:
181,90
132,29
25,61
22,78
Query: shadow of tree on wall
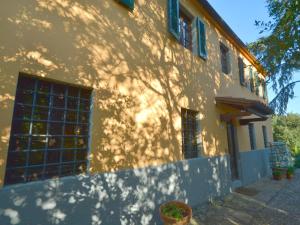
141,78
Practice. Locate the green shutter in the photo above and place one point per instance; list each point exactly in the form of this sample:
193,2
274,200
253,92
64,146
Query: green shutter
257,83
201,39
241,71
265,90
173,18
128,3
251,80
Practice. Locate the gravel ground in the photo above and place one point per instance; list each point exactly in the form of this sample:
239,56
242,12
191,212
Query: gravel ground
266,202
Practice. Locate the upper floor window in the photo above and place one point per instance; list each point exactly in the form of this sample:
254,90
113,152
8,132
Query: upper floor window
187,29
225,59
191,141
50,131
241,66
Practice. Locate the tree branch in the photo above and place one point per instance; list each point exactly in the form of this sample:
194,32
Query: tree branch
283,89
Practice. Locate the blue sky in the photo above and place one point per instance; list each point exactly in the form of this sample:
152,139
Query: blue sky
240,16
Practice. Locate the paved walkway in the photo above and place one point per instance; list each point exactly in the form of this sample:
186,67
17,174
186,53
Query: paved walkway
266,202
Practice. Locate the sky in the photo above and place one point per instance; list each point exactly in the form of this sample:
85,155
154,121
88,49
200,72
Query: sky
240,15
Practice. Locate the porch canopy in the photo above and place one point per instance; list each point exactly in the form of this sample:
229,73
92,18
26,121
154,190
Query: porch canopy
246,109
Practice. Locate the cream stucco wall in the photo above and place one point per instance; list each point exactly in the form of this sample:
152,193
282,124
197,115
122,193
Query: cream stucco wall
140,75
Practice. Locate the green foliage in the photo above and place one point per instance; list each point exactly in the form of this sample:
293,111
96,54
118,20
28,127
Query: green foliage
279,51
291,170
173,211
287,129
297,162
276,173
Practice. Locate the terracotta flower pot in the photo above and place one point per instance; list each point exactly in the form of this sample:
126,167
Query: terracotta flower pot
277,177
172,221
289,176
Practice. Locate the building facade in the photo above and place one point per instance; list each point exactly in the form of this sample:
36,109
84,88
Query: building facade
156,99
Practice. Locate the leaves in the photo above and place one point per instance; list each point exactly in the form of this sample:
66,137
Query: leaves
279,50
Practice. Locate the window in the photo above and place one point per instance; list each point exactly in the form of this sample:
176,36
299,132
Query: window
50,131
265,136
187,29
265,91
257,83
128,3
241,71
191,141
252,136
225,59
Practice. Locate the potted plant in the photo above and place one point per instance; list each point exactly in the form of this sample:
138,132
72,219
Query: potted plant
290,173
175,213
276,174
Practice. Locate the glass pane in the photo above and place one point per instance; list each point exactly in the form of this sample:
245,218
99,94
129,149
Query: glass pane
80,168
24,97
70,129
86,94
21,127
67,170
26,83
36,158
57,115
72,103
16,159
44,87
82,130
71,116
72,91
68,155
52,171
59,101
53,156
84,105
35,173
54,142
39,128
14,176
58,89
40,113
82,142
69,142
81,155
55,128
23,112
42,99
38,142
84,117
18,143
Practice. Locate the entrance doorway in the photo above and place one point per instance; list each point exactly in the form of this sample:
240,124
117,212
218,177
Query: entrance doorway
233,150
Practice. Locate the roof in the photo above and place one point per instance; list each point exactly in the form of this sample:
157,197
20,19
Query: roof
253,106
223,26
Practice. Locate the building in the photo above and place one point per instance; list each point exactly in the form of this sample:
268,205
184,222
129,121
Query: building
152,100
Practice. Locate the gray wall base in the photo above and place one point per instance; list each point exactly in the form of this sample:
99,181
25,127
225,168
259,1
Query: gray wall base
255,165
125,197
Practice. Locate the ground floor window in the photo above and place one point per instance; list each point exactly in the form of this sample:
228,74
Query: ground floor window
50,131
191,141
252,136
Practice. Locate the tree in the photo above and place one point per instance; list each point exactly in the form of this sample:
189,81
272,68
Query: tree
287,129
278,51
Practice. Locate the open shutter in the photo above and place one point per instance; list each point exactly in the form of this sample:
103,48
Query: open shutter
229,61
257,82
251,80
195,36
128,3
173,18
265,90
198,135
241,71
201,39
